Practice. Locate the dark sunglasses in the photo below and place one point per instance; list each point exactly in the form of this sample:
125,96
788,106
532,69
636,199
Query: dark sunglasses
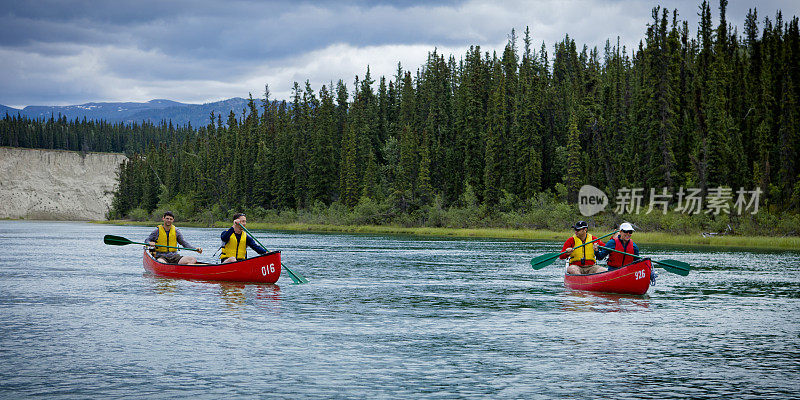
627,231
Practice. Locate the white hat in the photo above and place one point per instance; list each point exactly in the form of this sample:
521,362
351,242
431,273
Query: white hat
626,227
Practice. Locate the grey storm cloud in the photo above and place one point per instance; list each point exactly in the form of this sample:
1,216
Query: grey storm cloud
67,52
238,29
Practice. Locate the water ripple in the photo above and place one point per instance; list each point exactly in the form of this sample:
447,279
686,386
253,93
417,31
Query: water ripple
387,317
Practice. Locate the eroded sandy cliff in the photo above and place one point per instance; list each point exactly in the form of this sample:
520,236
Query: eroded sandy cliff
55,184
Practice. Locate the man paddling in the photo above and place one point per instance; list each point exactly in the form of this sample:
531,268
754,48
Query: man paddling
581,260
621,242
168,235
235,241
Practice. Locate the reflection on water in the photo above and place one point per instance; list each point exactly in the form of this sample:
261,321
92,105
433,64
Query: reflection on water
386,317
235,296
232,294
161,285
268,296
238,295
578,300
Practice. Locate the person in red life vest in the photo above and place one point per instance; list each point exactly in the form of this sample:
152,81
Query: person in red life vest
621,242
235,241
581,260
168,235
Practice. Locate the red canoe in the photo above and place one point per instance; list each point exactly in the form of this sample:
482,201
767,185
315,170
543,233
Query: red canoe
633,278
265,268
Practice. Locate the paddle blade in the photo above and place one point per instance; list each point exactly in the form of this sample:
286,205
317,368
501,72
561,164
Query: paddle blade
676,267
543,260
116,240
298,279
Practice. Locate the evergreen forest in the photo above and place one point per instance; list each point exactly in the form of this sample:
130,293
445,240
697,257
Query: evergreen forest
487,139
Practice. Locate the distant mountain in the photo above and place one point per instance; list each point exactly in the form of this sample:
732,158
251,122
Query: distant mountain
197,114
154,111
7,110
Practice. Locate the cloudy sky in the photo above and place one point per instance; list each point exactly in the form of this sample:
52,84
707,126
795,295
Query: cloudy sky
196,51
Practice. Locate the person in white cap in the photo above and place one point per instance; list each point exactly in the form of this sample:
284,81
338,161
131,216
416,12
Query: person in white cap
621,242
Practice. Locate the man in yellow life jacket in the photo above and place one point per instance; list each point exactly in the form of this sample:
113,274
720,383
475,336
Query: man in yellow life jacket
581,260
168,235
235,241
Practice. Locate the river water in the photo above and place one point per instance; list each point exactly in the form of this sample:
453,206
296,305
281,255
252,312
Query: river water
387,317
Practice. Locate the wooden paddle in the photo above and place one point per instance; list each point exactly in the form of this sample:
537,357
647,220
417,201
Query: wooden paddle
121,241
545,259
296,278
676,267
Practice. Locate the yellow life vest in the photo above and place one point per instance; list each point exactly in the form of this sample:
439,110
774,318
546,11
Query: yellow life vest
166,239
585,253
235,248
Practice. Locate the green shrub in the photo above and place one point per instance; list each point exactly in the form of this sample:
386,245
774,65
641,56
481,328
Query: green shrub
138,214
508,202
336,213
368,212
466,217
544,210
468,198
257,213
183,206
210,215
158,213
405,220
787,225
561,192
286,216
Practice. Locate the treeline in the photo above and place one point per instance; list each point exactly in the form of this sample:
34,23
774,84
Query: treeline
498,132
59,133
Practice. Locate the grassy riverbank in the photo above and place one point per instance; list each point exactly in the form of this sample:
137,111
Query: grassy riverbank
544,217
731,241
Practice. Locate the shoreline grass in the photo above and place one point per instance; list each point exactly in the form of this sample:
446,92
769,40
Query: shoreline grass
656,238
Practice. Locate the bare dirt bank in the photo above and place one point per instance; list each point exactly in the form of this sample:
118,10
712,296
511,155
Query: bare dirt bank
57,184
